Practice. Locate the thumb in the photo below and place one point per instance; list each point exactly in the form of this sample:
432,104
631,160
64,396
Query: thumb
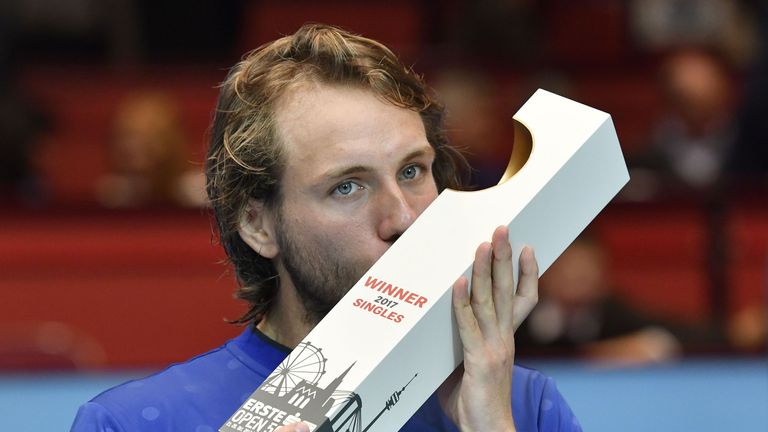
295,427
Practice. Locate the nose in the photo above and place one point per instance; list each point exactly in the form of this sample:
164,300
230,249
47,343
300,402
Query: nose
396,213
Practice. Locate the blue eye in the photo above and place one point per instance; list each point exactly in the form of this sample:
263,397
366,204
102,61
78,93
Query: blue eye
346,188
410,172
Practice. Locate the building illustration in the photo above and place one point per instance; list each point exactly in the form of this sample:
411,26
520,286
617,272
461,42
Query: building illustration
294,388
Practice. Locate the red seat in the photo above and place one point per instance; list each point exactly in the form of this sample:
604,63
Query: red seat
82,102
149,287
657,256
748,267
47,345
397,24
587,33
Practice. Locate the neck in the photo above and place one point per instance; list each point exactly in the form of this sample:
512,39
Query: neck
286,321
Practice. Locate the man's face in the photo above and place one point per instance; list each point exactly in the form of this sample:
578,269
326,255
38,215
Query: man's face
358,171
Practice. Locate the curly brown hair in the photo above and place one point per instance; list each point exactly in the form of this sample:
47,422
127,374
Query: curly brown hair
244,160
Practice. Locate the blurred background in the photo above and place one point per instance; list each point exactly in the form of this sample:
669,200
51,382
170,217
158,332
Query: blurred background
108,265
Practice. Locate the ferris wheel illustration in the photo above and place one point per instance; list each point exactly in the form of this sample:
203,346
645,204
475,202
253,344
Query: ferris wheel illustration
348,418
294,386
305,363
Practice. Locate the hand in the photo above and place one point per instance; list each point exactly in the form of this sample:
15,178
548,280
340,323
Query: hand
295,427
477,395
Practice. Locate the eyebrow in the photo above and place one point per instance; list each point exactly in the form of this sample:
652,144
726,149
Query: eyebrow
356,169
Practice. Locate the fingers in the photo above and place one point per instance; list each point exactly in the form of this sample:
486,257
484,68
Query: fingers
527,288
481,297
496,308
295,427
503,280
465,317
529,273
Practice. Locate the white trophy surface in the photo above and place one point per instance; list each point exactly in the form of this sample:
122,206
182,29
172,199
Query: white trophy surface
391,341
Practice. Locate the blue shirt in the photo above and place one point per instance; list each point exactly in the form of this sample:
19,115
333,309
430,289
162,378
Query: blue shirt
200,394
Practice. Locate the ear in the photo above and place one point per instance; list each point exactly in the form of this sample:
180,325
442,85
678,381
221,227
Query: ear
256,228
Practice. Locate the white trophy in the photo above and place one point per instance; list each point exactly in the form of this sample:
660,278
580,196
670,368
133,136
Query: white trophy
391,341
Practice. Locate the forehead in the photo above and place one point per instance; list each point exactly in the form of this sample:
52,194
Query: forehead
319,125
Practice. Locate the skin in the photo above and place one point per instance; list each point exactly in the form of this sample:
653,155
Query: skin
358,173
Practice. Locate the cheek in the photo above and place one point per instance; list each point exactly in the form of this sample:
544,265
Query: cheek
353,240
333,232
348,248
424,200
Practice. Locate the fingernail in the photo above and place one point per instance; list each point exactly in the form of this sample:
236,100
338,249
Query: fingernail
528,260
302,427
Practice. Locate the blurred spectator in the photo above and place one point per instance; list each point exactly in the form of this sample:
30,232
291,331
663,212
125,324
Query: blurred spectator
748,328
691,142
202,30
147,153
67,29
578,313
750,153
497,30
474,124
21,126
662,25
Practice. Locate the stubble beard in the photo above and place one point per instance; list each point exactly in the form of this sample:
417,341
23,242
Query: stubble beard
321,276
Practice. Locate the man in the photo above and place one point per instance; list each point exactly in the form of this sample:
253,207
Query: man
580,312
324,150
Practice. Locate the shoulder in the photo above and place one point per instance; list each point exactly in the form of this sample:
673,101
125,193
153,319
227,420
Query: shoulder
537,403
92,417
198,394
532,386
174,382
